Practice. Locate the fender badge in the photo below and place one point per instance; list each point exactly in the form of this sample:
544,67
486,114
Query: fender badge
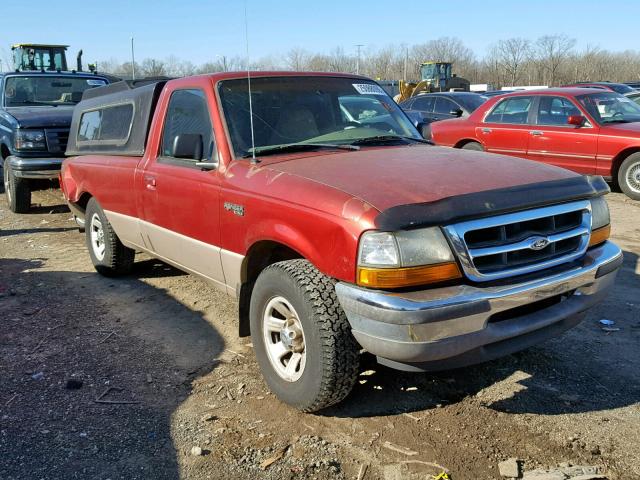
235,208
538,243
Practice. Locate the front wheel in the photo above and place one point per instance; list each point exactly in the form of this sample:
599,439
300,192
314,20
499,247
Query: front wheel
629,176
301,336
108,255
17,190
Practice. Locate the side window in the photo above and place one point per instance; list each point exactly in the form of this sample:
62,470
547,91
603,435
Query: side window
188,113
424,104
514,110
555,110
109,125
445,106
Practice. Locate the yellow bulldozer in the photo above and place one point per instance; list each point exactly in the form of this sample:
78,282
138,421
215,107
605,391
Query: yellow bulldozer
434,77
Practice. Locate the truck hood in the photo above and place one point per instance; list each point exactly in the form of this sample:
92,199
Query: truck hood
392,176
42,117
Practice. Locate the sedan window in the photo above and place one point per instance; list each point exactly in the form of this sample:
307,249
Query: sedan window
514,110
424,104
555,111
445,106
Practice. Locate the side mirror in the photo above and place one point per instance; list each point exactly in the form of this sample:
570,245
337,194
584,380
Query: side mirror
187,145
456,113
425,130
577,120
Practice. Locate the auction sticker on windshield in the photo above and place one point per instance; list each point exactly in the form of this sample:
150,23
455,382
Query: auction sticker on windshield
368,89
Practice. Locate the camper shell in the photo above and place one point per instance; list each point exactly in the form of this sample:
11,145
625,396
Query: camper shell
114,119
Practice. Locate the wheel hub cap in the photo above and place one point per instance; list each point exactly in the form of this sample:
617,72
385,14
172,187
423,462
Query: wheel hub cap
633,177
284,340
97,237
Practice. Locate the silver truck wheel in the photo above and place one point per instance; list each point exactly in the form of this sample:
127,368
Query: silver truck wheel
301,336
17,190
284,339
97,236
108,255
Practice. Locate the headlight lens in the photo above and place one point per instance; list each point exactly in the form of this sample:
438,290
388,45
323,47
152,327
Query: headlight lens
599,213
379,249
30,140
405,258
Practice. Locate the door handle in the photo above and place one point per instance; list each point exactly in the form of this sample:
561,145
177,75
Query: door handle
150,182
486,130
535,133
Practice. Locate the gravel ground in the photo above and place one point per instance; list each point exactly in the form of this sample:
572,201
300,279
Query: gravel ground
145,377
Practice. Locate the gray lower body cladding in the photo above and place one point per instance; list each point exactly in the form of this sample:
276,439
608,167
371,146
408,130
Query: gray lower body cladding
451,327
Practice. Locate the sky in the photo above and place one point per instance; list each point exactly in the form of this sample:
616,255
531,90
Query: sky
201,31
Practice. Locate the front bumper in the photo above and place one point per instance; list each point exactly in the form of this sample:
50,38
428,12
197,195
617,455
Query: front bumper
35,168
451,327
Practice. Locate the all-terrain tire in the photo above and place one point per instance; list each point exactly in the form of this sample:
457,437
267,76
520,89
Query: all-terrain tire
113,258
332,354
475,146
629,176
17,190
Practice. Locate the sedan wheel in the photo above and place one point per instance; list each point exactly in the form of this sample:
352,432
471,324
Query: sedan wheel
629,176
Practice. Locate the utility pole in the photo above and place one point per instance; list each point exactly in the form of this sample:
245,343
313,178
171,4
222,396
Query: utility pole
224,62
406,61
358,60
133,62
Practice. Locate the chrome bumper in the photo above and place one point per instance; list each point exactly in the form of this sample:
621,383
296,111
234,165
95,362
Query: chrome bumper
455,326
35,168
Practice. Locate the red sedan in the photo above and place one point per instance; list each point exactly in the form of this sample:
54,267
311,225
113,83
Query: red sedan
581,129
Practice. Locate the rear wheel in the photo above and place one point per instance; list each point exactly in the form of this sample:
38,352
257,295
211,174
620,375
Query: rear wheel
17,190
473,146
108,255
301,336
629,176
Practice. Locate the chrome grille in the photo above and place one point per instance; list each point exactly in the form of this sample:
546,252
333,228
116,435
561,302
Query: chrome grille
57,139
521,242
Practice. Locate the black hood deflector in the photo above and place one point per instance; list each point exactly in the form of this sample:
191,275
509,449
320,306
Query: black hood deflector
491,202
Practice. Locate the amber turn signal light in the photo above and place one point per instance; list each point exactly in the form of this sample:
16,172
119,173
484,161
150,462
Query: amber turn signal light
599,235
407,277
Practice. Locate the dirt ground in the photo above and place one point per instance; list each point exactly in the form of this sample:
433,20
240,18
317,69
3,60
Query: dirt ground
165,345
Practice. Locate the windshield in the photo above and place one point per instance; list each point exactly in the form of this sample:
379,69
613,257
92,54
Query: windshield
621,88
20,91
610,107
318,110
471,102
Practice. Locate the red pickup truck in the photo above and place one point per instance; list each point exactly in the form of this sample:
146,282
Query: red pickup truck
314,200
591,131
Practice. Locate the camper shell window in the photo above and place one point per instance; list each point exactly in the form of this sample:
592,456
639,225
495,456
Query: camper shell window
107,125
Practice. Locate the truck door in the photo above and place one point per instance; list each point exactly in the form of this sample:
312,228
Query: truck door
506,128
552,140
180,200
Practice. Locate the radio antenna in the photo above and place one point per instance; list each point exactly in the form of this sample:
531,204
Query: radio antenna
246,36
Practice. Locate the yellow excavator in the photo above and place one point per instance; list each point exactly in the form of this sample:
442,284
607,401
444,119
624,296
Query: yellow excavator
434,77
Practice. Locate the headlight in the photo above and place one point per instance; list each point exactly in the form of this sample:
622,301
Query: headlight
406,258
30,140
600,221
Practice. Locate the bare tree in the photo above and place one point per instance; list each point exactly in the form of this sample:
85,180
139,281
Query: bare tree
511,54
552,51
297,59
152,67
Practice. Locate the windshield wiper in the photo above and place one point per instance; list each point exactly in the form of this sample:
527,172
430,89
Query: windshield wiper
385,139
297,147
618,120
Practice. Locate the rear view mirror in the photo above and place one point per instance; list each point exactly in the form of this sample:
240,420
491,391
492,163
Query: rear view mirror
187,145
577,120
456,113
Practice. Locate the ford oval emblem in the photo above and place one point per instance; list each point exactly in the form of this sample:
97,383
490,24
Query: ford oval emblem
538,243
